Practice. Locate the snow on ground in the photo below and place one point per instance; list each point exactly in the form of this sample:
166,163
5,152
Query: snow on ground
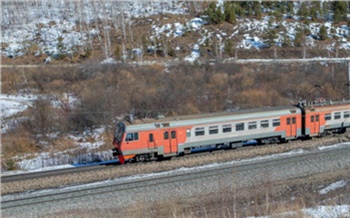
87,141
109,61
319,211
195,54
333,186
11,105
14,104
52,28
328,211
213,165
335,211
335,145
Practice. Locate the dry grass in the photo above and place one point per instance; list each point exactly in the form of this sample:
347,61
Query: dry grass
62,144
17,143
114,91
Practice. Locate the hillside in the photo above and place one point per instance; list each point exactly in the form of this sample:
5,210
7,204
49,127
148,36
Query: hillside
97,60
59,32
45,109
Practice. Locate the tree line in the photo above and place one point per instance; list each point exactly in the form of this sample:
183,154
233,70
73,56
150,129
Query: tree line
95,94
307,10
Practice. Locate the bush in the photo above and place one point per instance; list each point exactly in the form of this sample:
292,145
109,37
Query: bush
11,165
215,14
323,32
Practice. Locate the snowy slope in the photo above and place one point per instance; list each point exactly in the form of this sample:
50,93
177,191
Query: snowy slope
58,27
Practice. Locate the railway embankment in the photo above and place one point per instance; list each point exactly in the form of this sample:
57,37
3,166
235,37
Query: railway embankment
64,180
273,176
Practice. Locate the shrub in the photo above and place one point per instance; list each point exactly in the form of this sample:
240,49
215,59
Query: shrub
323,32
11,164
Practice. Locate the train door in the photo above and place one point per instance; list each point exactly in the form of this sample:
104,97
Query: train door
291,127
170,141
150,141
314,124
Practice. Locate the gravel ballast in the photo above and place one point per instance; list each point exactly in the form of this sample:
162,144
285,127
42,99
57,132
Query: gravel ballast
134,169
118,195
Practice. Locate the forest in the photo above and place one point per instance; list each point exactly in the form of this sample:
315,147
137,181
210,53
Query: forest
99,31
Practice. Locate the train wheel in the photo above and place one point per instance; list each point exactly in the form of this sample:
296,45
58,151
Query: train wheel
142,158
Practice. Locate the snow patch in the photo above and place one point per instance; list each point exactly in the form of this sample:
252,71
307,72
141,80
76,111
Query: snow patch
109,61
328,211
333,186
195,54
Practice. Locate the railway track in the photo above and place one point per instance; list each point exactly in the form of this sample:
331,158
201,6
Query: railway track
67,171
243,174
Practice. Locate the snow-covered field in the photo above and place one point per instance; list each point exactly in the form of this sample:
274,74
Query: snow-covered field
51,26
57,27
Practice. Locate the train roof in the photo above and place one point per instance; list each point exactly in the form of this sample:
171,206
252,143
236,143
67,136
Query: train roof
202,119
324,106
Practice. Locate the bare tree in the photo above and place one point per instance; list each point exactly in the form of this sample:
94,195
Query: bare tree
123,26
131,32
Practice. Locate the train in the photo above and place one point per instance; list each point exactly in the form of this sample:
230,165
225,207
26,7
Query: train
165,137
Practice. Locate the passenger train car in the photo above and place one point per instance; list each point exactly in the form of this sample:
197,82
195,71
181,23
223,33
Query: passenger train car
322,118
149,139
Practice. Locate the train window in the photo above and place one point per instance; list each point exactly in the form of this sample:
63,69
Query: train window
151,137
264,124
337,115
293,120
312,119
327,117
129,137
132,136
346,114
165,124
157,125
252,125
188,133
199,131
288,121
276,122
213,130
166,135
317,118
173,134
239,126
226,128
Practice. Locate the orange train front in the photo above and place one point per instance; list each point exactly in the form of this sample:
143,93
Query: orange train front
152,139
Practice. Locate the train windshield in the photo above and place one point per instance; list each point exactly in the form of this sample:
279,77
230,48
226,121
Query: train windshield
119,131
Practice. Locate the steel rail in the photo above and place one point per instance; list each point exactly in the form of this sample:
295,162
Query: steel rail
178,177
82,169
